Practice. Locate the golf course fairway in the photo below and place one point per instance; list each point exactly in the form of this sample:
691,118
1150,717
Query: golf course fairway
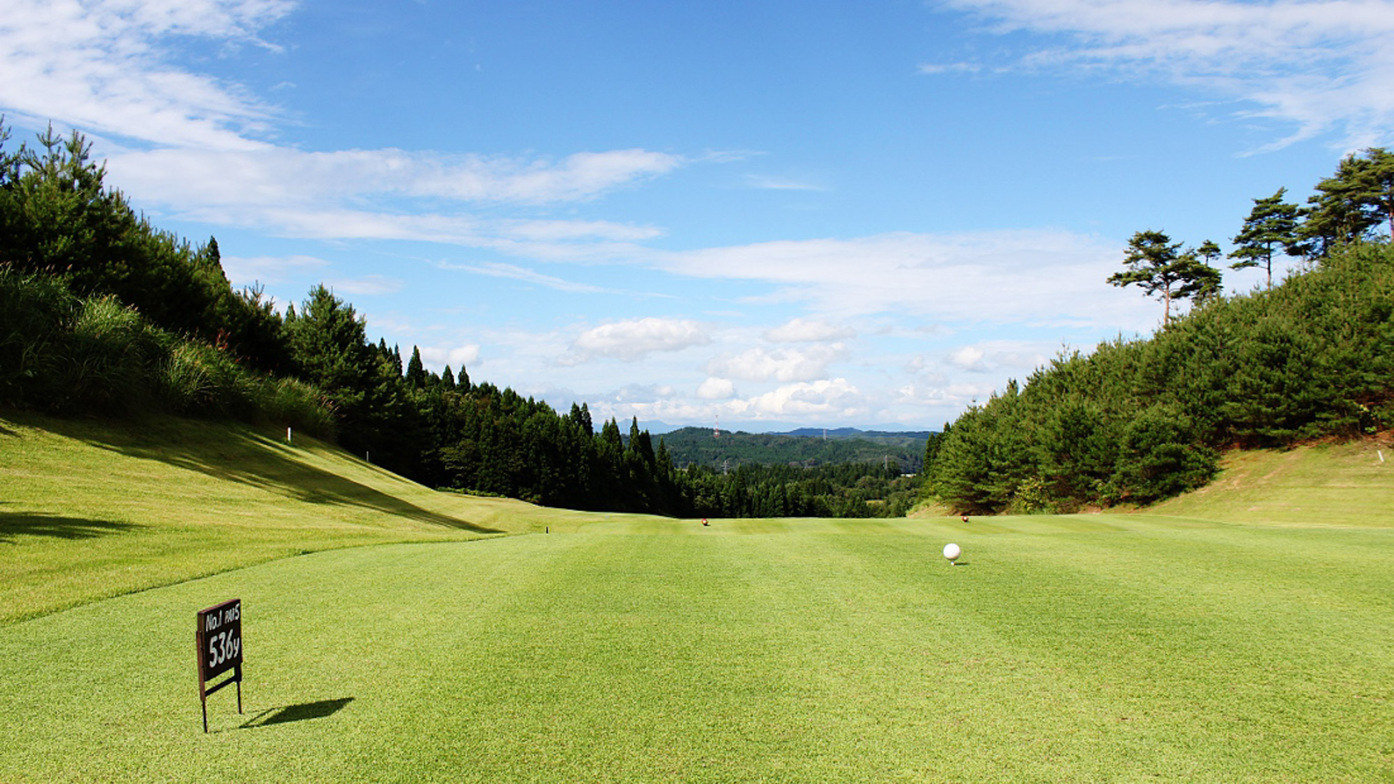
1102,648
396,634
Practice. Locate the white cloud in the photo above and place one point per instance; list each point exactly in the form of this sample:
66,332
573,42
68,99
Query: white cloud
635,339
203,149
758,364
1003,276
801,330
763,182
514,272
456,357
998,356
934,69
716,389
246,270
638,394
968,358
561,230
1323,64
98,66
345,194
828,399
368,285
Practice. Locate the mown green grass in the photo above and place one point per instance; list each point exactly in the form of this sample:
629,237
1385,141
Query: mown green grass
1064,649
90,510
415,645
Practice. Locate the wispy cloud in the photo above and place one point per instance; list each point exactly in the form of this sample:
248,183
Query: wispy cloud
802,330
203,149
99,66
769,183
934,69
282,176
1323,65
515,272
367,285
246,270
1029,276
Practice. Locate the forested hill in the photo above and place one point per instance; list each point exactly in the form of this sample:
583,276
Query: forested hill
1138,421
1310,356
806,447
104,315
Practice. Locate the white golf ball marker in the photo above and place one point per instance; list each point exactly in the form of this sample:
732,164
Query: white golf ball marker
952,552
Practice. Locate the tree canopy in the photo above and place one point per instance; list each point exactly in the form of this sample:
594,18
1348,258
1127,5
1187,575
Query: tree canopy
1163,270
1272,224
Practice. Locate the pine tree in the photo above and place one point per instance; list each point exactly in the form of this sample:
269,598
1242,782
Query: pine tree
640,443
1271,225
416,372
1347,205
1163,270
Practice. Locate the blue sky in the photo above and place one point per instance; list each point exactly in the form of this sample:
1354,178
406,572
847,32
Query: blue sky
776,213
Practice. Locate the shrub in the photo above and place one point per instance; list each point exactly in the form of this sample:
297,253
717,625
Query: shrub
35,313
200,380
108,363
296,404
96,356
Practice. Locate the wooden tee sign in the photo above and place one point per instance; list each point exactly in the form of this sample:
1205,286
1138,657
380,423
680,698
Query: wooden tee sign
219,643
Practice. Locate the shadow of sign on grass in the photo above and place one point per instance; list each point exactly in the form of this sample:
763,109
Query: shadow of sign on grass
302,712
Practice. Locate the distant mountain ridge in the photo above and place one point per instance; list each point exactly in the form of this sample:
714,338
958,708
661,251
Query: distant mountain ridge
804,446
852,432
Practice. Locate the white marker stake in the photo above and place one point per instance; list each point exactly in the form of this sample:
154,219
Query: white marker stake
288,435
1381,454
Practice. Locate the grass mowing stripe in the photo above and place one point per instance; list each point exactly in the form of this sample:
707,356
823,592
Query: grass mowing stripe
1215,650
1107,651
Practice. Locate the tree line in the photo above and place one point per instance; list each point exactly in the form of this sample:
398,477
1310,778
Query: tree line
803,448
103,313
1348,207
1138,421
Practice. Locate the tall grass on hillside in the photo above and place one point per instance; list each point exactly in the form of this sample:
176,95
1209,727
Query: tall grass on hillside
33,313
111,360
68,355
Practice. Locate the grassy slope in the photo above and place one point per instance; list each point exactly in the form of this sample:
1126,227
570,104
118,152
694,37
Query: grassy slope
91,510
1179,646
1330,484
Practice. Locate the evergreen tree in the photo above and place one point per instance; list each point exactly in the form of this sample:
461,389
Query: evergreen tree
1347,205
1210,288
329,346
1271,225
416,372
640,443
1161,269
